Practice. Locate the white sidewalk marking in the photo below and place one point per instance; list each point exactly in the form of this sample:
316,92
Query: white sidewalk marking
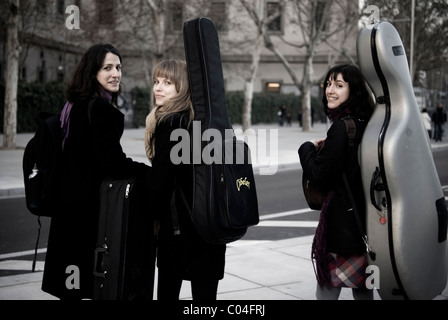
283,223
20,254
243,243
21,265
18,265
284,214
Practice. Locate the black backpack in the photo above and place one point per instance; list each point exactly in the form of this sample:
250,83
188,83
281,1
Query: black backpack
41,166
314,196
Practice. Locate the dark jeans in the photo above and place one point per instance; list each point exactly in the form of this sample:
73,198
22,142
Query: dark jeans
169,285
438,131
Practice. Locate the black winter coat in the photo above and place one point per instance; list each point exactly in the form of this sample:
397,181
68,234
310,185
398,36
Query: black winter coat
325,170
184,254
92,153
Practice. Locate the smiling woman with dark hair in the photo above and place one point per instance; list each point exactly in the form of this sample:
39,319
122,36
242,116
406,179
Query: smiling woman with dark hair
338,238
359,103
92,127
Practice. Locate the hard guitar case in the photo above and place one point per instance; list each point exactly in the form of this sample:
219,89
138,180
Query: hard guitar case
125,252
406,208
224,198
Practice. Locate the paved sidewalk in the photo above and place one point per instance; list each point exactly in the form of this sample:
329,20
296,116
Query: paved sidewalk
255,270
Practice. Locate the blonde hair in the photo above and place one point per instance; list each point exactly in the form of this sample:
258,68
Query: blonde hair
176,71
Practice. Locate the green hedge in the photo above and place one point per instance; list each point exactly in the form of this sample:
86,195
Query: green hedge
35,97
264,106
31,99
141,105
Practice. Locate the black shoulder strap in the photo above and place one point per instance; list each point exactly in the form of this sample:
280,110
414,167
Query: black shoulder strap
351,132
89,110
371,253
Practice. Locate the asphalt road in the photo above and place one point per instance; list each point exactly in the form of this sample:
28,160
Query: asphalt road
283,211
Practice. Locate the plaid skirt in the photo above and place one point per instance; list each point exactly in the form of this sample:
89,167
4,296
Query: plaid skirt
347,270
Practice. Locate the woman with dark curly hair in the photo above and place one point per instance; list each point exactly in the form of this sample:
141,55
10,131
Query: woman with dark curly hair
92,127
338,239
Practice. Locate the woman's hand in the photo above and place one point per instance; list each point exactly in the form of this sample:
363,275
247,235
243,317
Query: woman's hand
318,143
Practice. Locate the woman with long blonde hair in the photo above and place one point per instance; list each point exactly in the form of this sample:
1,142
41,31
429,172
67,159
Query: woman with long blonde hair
182,254
164,104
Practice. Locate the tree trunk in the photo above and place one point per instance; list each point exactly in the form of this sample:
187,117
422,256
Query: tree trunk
249,84
12,76
306,108
305,89
247,106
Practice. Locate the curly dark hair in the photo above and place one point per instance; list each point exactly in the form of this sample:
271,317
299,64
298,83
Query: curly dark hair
360,101
84,84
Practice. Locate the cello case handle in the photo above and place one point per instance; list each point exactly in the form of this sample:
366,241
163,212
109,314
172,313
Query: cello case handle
98,269
375,186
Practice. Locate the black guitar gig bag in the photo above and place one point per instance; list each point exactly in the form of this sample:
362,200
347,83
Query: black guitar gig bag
224,202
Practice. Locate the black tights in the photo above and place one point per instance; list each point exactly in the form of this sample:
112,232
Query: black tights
168,288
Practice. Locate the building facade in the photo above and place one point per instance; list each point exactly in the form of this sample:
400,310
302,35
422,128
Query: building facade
56,33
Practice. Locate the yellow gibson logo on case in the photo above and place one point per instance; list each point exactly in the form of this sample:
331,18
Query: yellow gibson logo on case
242,182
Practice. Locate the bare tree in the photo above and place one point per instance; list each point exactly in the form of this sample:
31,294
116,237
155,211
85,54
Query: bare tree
147,23
255,9
12,75
430,25
316,19
155,28
24,20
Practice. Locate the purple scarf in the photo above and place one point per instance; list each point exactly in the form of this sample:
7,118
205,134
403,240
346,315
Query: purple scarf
65,116
65,121
338,113
319,247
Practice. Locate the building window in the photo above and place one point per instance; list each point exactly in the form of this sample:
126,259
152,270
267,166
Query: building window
42,72
105,10
23,74
319,18
276,25
175,21
273,87
60,74
78,4
41,6
61,7
218,15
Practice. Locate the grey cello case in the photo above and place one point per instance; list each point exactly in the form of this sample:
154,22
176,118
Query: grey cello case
406,209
